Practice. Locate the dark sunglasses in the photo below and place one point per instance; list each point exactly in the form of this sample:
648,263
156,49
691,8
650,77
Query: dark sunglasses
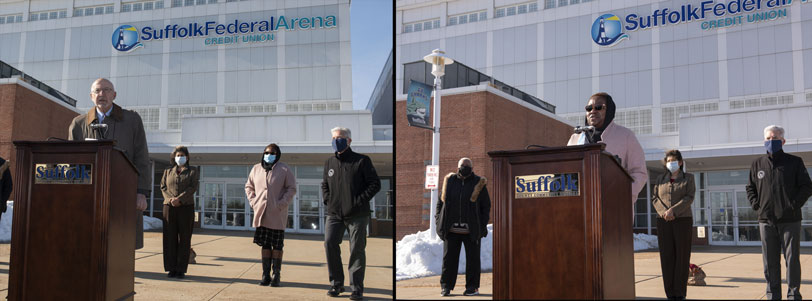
597,108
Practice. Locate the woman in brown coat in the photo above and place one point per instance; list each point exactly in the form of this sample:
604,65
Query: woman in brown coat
673,193
178,185
270,189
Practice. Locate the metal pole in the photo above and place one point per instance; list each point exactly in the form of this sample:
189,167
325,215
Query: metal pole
435,152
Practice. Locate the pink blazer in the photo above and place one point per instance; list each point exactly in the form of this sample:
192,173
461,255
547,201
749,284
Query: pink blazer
270,194
621,141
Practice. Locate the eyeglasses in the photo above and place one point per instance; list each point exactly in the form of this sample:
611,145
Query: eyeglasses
596,107
99,91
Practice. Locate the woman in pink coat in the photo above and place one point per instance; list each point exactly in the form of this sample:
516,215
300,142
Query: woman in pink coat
270,188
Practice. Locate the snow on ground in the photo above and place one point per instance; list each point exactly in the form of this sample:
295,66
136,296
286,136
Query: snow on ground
420,256
150,223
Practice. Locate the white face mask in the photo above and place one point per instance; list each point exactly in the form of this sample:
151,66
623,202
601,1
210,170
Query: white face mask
672,166
180,160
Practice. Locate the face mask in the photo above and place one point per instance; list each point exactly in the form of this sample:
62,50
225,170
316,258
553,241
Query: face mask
339,144
465,171
269,158
772,146
672,166
180,160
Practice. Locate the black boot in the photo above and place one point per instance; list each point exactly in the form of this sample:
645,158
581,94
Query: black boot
277,266
266,270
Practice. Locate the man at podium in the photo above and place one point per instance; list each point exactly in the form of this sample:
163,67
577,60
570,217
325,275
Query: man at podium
108,121
620,141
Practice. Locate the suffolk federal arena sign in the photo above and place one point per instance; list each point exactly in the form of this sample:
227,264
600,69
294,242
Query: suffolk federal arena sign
607,29
127,38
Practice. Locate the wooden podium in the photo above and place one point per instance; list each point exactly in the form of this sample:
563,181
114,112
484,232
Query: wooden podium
562,225
74,215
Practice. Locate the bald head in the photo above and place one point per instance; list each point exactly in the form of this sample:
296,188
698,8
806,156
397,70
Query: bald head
102,93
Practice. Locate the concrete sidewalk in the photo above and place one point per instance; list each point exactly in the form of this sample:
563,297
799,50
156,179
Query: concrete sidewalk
733,273
229,268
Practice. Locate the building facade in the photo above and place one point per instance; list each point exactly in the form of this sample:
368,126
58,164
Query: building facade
223,77
704,77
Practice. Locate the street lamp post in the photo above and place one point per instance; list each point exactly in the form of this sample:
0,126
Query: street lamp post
438,60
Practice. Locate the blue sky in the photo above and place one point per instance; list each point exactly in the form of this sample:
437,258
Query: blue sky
371,41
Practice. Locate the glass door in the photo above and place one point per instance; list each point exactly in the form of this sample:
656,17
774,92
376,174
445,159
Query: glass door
747,220
723,218
211,197
235,207
310,209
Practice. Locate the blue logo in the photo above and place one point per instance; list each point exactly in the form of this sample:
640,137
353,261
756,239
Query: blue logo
125,38
607,30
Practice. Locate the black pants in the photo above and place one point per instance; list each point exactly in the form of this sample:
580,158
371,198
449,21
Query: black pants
674,240
451,261
178,223
333,235
775,239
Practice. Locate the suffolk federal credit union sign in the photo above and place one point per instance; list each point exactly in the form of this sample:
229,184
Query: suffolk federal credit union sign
608,29
127,38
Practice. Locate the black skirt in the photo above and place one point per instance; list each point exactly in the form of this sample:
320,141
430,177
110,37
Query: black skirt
270,238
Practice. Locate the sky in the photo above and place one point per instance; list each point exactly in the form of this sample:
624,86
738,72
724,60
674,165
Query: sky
371,41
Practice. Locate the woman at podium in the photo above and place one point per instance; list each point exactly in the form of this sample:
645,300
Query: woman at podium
672,195
178,186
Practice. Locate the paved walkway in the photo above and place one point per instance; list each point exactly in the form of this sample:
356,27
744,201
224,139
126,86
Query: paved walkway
733,273
229,268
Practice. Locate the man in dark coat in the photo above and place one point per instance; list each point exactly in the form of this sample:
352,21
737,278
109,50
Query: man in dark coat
127,129
462,218
350,182
5,183
779,186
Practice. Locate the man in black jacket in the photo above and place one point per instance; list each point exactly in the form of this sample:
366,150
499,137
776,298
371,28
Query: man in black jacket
5,183
350,182
462,219
779,186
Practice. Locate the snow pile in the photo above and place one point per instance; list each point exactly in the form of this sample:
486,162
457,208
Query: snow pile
645,242
152,223
420,256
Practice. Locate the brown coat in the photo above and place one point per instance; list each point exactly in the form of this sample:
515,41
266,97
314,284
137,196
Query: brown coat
181,186
126,128
270,193
678,195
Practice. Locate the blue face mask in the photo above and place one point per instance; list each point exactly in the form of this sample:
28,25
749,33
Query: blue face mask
772,146
339,144
269,158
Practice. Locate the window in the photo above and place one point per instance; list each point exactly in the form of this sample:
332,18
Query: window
176,3
63,14
159,4
100,10
125,8
148,5
427,25
212,1
809,97
533,7
292,107
562,3
89,11
549,4
452,21
483,16
32,17
436,23
500,12
522,8
2,20
786,99
78,12
201,2
333,107
511,11
472,17
137,6
108,9
149,116
407,28
43,16
575,1
189,3
19,18
418,27
463,19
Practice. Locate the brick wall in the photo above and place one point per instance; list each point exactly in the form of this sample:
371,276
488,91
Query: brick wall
472,125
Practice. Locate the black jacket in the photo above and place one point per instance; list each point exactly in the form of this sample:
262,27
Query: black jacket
5,183
779,186
350,181
458,194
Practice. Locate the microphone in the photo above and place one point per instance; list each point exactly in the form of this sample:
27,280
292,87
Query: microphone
581,129
97,126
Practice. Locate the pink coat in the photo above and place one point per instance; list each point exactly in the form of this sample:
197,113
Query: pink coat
621,141
270,194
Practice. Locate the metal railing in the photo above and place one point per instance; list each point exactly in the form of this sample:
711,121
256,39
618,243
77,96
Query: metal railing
7,71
